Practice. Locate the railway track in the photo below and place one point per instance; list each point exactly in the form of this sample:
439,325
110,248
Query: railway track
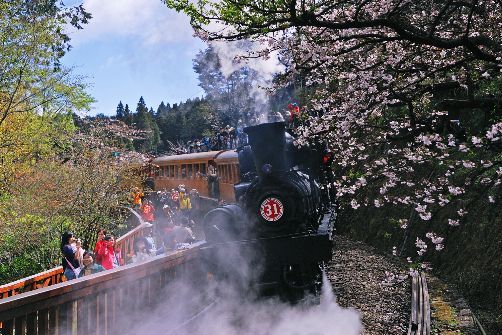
198,314
420,321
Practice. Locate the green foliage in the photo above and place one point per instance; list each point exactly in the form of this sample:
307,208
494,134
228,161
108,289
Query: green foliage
27,137
53,176
55,197
31,44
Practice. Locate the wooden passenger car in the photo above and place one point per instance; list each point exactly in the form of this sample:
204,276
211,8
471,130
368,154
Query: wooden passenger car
191,171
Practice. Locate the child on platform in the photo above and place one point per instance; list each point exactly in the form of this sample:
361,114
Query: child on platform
89,266
142,250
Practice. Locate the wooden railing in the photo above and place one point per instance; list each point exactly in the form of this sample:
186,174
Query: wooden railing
55,275
42,279
103,303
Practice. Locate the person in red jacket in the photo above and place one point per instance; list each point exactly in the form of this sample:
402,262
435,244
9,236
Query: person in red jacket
147,211
106,254
100,243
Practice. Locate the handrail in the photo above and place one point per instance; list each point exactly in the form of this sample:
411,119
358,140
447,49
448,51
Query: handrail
55,275
42,279
77,306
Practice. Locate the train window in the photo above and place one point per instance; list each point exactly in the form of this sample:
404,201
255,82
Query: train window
183,171
225,173
203,169
171,171
189,171
196,170
219,170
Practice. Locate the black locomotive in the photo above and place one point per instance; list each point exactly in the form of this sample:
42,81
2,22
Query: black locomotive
282,216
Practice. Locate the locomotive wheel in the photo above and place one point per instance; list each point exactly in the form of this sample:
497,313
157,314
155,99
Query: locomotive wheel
302,276
301,281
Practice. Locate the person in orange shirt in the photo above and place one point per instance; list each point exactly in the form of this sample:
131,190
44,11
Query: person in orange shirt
147,211
136,197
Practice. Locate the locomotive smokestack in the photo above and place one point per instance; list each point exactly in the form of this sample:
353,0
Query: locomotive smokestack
268,141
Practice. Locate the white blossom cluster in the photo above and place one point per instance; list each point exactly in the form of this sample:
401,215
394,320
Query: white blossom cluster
377,69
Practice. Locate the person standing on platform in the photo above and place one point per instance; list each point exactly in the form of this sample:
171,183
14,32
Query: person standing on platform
142,250
137,195
107,254
100,243
72,253
185,203
117,259
148,211
90,267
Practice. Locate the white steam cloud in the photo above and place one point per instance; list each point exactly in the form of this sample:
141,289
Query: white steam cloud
226,311
232,58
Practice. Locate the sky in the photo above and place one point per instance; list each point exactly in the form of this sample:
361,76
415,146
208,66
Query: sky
133,48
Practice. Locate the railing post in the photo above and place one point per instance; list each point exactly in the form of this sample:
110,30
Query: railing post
43,322
7,327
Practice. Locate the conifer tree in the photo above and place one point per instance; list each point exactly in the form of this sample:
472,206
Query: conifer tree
145,121
161,109
127,115
120,111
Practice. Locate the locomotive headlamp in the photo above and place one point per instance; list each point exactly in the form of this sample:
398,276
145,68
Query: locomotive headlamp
266,168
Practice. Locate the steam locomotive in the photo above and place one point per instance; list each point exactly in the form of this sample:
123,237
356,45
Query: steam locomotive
282,220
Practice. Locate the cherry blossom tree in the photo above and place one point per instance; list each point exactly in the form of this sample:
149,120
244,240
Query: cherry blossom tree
408,94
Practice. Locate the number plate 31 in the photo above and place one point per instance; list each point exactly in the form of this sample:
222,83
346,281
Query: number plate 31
271,209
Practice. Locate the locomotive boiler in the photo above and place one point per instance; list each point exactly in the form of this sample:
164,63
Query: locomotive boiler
282,213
